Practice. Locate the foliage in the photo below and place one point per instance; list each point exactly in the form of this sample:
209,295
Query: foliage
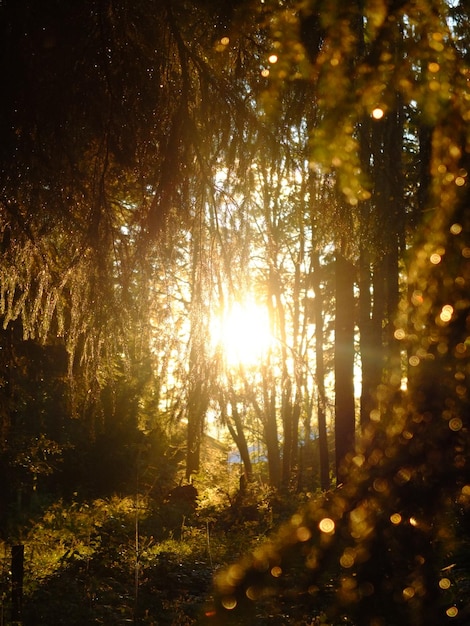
92,170
82,562
163,162
381,542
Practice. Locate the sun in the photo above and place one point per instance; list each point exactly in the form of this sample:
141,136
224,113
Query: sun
243,333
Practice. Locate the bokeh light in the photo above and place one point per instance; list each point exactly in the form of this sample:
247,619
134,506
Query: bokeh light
326,525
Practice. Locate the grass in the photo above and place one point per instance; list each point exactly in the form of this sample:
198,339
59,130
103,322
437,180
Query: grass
121,560
125,561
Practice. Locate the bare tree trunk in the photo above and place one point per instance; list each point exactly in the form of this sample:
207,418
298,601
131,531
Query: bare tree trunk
199,371
371,315
396,244
382,240
271,433
287,427
17,569
320,375
345,419
272,444
235,426
196,412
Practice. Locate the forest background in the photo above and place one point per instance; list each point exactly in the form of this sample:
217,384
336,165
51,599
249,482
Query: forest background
234,274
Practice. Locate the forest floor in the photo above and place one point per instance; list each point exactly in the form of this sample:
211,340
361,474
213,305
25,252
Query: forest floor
109,563
104,562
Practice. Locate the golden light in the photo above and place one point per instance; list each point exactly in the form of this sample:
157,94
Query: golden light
399,334
229,603
455,424
378,113
303,534
348,558
243,333
446,313
326,525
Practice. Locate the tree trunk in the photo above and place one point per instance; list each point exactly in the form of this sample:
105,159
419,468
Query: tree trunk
289,427
271,433
235,427
272,444
382,239
198,394
324,461
370,328
197,407
287,424
345,420
396,242
199,378
17,569
198,399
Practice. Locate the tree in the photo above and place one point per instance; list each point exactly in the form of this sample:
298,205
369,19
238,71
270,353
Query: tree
387,534
324,461
96,168
163,182
345,413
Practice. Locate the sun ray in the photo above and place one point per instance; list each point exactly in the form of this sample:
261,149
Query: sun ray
243,333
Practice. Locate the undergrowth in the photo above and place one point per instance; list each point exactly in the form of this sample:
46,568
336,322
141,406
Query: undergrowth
130,560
